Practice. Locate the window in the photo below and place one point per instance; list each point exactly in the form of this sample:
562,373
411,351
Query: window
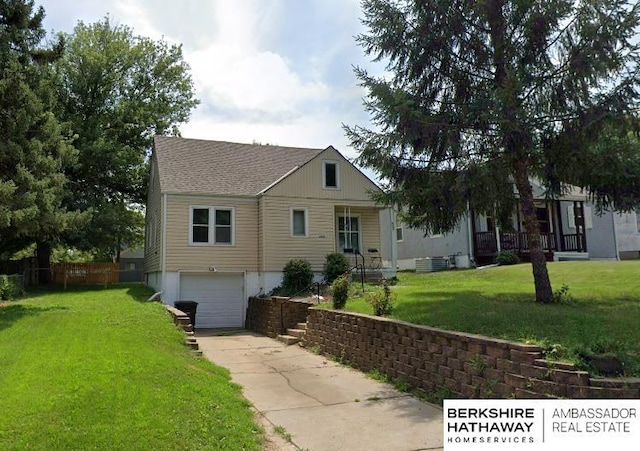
211,226
349,233
131,266
330,175
299,222
399,234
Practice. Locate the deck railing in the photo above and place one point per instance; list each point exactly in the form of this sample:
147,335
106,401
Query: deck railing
511,241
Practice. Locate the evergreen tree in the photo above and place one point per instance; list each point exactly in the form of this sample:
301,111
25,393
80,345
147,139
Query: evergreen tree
33,151
480,96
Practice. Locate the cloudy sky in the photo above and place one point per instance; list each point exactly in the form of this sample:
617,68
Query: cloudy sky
272,71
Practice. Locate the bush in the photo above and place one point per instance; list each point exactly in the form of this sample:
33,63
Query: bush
381,300
297,276
340,288
335,265
505,258
8,288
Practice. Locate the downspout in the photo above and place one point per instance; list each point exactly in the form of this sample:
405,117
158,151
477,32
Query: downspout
164,244
469,234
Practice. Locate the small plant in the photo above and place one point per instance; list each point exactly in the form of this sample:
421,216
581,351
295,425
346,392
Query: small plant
381,300
377,375
402,386
335,265
282,432
298,275
505,258
477,363
340,288
562,295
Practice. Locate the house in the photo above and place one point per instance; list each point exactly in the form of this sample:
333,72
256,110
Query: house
223,219
628,234
569,229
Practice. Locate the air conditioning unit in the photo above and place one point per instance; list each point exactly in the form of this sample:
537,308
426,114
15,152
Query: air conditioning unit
431,264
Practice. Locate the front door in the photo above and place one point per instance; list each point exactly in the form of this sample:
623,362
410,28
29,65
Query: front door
349,236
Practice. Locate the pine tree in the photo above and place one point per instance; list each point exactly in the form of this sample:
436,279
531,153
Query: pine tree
33,151
482,96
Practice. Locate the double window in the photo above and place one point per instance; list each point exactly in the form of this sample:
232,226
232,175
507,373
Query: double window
211,226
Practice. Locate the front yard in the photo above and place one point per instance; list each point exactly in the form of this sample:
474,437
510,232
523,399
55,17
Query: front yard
602,316
103,369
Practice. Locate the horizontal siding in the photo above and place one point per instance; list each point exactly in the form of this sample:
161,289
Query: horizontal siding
307,181
243,256
153,221
279,246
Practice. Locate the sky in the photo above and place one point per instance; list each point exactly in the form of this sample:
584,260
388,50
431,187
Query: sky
269,71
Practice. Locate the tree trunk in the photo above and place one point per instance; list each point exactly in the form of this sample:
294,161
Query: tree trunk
43,256
541,280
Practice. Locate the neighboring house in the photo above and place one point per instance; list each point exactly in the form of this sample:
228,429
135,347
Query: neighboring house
628,233
570,229
223,219
131,266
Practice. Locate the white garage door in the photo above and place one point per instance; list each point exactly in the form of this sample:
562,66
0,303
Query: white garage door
219,296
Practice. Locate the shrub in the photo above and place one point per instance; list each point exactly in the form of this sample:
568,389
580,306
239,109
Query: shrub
505,258
8,288
381,300
297,275
335,265
340,288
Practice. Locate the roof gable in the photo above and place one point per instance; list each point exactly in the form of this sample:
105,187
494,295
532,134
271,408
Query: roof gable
223,168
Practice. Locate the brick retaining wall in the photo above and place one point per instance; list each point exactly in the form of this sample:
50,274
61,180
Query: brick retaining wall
467,365
272,316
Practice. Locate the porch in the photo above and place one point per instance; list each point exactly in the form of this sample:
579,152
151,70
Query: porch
553,240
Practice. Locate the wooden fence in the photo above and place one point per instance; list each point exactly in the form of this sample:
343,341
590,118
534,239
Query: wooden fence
85,273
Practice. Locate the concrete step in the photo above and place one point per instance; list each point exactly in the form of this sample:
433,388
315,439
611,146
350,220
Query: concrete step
288,339
192,344
197,352
302,326
298,333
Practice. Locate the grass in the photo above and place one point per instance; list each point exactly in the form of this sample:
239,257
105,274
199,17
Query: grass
603,313
102,369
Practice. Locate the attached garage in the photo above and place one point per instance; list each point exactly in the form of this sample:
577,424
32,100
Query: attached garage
220,298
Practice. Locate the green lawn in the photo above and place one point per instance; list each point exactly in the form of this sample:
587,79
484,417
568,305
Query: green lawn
498,302
102,369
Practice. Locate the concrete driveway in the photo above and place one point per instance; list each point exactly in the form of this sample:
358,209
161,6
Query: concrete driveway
322,405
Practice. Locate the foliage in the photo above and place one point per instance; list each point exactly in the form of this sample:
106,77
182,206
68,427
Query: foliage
297,275
562,295
336,264
137,376
496,302
34,152
479,97
9,288
340,290
507,258
381,300
116,91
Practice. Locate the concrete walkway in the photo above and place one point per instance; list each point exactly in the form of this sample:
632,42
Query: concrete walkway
322,405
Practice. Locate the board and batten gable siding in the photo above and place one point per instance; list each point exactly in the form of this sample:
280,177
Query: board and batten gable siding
153,222
307,181
241,256
278,246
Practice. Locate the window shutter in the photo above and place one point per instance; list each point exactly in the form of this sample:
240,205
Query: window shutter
588,218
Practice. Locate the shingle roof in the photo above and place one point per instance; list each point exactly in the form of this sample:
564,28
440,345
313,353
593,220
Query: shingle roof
218,167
